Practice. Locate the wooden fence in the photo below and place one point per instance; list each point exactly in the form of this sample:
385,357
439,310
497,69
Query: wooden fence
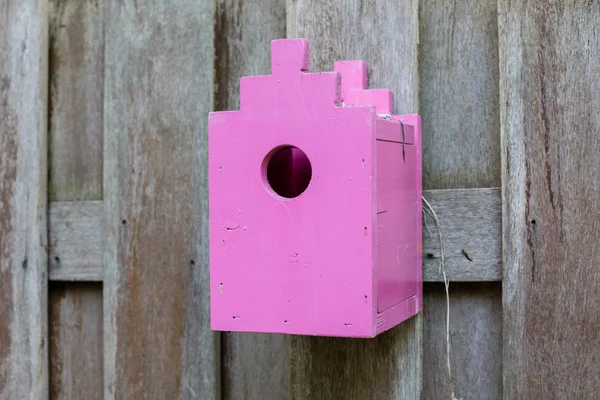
103,197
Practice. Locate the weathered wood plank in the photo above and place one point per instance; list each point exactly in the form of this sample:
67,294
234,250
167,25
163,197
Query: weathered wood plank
459,94
75,230
158,91
458,68
23,184
385,36
76,91
471,224
550,97
470,219
475,315
382,33
243,32
75,315
254,366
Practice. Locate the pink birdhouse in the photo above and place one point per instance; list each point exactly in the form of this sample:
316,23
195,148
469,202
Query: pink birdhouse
314,203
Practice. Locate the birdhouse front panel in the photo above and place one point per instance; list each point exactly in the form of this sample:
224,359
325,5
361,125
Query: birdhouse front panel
313,215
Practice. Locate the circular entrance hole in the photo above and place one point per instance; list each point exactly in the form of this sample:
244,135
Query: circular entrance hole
287,171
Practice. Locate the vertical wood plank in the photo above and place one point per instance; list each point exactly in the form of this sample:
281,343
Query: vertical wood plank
385,36
23,183
76,68
158,92
243,34
76,99
550,97
459,94
75,322
475,318
254,366
458,64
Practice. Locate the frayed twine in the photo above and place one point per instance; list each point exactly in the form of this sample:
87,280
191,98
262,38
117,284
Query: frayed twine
427,209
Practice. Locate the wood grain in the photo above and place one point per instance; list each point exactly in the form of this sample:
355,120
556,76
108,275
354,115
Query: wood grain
76,70
243,34
75,314
254,366
76,231
23,184
550,97
471,224
76,92
385,36
458,62
475,315
158,92
382,33
347,368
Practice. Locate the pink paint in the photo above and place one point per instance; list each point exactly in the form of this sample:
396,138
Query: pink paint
338,251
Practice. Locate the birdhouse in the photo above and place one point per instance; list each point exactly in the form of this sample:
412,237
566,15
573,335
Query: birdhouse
314,203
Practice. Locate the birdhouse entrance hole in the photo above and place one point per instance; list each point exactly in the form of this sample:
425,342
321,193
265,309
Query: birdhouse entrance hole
287,171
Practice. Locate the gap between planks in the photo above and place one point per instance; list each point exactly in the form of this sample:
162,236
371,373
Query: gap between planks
471,220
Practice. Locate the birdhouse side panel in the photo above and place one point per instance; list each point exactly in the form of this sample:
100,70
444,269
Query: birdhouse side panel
405,309
396,267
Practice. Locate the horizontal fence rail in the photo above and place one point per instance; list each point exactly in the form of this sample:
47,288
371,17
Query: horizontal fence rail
470,220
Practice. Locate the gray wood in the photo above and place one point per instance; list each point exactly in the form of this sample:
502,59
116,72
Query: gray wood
475,315
75,323
243,34
458,64
158,91
76,70
348,368
470,219
550,97
76,91
254,366
76,231
385,36
23,172
471,224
